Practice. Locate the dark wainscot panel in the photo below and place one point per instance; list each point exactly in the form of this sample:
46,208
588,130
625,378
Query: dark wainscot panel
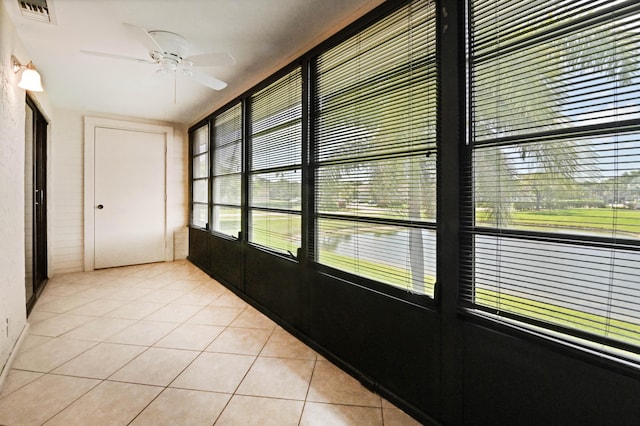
512,380
225,261
274,282
199,248
394,344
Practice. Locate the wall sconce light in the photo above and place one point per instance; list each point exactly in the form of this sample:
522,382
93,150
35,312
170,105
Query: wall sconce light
30,78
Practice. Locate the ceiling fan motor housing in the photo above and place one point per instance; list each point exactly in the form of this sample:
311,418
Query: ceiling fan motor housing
174,47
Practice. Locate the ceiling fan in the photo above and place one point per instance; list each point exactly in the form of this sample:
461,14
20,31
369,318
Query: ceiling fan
169,51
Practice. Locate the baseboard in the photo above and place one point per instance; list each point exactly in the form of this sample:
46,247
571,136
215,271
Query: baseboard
12,355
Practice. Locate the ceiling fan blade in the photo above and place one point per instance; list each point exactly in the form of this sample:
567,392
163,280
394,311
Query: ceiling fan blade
212,59
143,37
207,80
114,56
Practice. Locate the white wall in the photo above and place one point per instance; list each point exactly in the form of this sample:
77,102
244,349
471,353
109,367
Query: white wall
66,203
65,196
12,271
178,193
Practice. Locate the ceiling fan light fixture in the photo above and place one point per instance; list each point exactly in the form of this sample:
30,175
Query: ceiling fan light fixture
168,64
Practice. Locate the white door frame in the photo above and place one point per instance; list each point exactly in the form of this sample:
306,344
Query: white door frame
90,124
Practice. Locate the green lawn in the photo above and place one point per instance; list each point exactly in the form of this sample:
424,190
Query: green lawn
596,324
393,275
589,220
277,231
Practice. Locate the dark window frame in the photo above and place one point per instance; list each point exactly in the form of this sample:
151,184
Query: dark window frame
541,317
293,75
207,178
215,175
390,152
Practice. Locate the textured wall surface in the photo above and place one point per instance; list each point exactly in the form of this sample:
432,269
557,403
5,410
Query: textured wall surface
65,199
12,151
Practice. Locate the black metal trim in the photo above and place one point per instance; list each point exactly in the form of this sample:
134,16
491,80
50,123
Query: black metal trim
379,220
604,359
220,235
274,210
283,254
387,290
246,162
374,157
288,168
556,328
601,129
559,238
308,179
212,153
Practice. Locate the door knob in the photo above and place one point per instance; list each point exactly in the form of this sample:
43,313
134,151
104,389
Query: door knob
100,207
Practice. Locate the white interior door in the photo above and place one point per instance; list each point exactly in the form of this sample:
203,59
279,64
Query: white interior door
129,197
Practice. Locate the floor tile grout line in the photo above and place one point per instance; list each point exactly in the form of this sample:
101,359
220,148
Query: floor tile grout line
168,386
306,396
73,357
139,321
104,380
196,357
243,377
153,346
74,401
146,406
25,384
50,372
254,362
106,339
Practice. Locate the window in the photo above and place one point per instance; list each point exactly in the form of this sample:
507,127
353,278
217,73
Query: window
200,175
375,151
275,159
227,171
554,177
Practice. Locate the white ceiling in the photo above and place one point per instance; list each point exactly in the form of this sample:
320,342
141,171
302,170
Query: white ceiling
262,36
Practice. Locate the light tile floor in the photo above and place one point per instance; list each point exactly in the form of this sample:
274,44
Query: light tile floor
164,344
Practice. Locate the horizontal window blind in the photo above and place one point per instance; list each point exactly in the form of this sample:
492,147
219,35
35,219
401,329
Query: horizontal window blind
276,124
228,141
375,151
275,175
390,188
227,171
200,177
571,72
276,190
227,220
227,190
554,167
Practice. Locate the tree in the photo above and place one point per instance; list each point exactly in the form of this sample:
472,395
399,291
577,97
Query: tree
540,87
384,88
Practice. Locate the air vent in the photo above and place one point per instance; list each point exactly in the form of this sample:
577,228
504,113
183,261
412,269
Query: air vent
37,10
